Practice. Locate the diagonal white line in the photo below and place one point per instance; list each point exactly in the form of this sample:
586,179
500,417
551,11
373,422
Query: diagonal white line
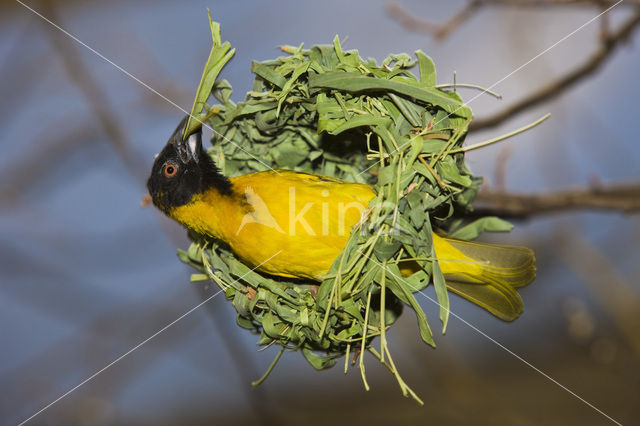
218,292
571,34
120,358
142,83
488,89
91,377
482,333
500,345
509,351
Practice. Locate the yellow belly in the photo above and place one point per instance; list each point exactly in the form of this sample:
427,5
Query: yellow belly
291,224
306,219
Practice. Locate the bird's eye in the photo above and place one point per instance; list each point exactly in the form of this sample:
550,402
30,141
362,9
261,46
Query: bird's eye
170,169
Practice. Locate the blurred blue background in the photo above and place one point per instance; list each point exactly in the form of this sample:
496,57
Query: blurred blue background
87,274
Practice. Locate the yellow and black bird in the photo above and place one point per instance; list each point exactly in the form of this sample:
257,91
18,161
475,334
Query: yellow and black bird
307,219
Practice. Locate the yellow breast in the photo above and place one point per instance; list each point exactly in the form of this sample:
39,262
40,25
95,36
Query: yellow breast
292,224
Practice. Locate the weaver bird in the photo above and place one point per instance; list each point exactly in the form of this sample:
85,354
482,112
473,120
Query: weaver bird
307,220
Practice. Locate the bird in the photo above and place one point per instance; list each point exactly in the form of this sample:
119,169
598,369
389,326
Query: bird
295,225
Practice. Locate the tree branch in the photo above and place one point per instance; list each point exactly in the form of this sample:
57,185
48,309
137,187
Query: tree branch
609,42
624,198
442,31
563,83
547,3
438,31
96,98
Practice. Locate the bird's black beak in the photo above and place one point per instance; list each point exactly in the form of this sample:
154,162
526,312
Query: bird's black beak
189,148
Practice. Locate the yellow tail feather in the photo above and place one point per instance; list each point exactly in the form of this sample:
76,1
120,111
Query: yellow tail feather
486,274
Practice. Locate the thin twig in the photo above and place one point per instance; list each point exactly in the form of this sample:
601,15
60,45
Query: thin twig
438,31
469,86
441,183
503,137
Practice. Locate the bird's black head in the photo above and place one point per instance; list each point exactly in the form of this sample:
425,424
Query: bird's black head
182,170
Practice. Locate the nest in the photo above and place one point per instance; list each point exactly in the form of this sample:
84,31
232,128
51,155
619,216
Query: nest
330,112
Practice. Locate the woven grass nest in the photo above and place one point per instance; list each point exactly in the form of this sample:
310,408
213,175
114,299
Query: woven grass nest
328,111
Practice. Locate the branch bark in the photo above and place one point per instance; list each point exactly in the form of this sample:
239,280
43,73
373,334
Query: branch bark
623,198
